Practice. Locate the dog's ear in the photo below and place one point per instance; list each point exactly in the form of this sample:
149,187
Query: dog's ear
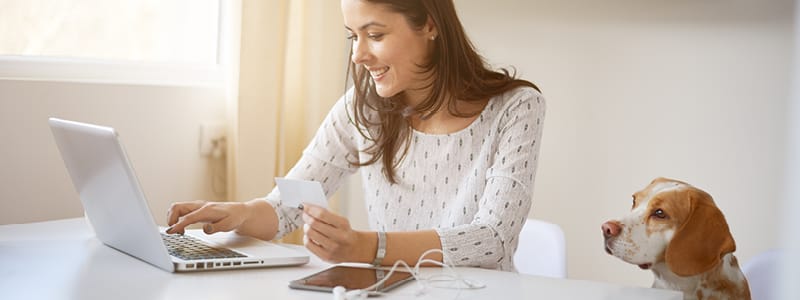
659,179
702,240
665,179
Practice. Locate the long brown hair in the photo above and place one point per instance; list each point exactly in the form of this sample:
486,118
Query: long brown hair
456,71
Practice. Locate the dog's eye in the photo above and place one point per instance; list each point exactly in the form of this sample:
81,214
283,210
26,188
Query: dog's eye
659,213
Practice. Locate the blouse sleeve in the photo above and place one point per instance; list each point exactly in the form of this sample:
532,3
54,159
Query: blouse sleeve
326,160
491,238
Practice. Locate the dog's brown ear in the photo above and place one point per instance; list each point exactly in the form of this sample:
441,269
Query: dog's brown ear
663,179
700,242
659,179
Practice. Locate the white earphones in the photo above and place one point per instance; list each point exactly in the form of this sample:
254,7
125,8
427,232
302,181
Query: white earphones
339,293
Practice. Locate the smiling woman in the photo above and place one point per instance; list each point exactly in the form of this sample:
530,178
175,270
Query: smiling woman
446,146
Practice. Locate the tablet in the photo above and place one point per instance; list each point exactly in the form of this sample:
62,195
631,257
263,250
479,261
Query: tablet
351,278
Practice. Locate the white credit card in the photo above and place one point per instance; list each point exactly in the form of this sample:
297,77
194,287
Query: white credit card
295,192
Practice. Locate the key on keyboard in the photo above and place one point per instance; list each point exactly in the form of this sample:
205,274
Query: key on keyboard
190,248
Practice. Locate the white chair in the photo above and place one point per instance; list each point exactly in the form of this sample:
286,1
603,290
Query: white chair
541,250
761,273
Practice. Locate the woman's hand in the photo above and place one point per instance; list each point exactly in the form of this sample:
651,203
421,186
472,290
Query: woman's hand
218,216
330,237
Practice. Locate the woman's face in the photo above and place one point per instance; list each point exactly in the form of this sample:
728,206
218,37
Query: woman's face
388,47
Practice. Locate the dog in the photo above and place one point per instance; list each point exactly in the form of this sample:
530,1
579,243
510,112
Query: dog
676,230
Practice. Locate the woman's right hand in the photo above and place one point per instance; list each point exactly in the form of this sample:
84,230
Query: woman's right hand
217,216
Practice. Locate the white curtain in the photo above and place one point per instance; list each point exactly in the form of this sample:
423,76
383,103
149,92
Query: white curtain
291,70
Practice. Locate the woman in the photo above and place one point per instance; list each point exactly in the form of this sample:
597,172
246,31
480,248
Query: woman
447,149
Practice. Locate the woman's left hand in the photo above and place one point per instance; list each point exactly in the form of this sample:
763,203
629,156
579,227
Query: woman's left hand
329,236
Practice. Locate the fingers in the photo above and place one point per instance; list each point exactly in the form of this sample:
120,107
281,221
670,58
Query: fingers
206,213
317,237
326,230
327,234
323,247
208,228
312,227
323,215
224,224
318,250
177,210
188,219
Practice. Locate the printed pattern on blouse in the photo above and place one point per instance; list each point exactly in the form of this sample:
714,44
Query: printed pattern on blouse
473,186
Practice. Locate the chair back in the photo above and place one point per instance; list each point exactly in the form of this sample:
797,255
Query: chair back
761,273
541,250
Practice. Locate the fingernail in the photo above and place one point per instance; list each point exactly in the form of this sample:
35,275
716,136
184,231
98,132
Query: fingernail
207,228
169,229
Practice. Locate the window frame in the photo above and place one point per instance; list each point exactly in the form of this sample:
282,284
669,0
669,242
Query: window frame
83,70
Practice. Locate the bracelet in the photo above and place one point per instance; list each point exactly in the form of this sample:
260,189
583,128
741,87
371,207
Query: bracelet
381,249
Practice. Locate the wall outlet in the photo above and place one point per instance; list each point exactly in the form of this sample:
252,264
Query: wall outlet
212,139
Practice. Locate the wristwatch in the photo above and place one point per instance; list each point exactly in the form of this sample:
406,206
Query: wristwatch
381,249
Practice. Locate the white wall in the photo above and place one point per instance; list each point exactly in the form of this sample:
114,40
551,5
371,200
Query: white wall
694,90
159,127
789,273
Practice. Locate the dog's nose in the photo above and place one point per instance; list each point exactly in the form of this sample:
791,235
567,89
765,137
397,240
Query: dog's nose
611,228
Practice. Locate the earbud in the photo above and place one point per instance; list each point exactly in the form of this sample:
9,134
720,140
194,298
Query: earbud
340,293
473,285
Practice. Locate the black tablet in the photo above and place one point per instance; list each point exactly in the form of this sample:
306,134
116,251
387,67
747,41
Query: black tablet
351,278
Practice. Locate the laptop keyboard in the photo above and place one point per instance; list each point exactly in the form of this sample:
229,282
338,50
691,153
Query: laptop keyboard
190,248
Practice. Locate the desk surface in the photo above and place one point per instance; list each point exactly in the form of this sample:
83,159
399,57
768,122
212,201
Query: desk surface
63,260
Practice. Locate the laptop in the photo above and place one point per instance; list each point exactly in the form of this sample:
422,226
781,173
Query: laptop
117,210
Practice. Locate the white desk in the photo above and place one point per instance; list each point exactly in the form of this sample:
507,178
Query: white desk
63,260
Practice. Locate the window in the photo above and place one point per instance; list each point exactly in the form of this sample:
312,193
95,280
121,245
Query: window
112,40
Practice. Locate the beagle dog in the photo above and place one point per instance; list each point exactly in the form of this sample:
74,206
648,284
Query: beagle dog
676,230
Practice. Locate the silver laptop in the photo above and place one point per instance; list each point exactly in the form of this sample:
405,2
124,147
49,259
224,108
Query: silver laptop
117,210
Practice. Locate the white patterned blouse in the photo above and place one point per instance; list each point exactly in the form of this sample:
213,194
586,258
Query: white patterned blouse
473,186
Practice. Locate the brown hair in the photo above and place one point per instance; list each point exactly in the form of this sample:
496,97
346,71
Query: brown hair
456,71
